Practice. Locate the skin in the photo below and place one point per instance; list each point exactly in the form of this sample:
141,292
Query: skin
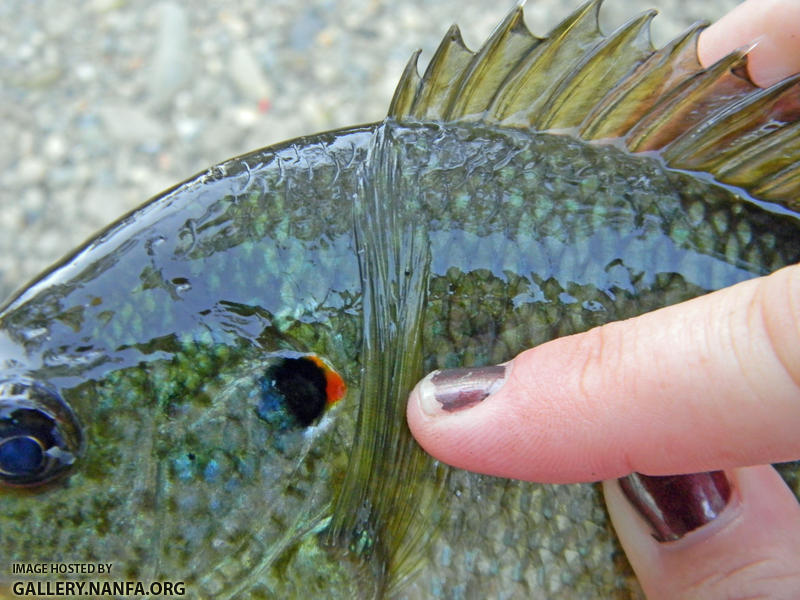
717,379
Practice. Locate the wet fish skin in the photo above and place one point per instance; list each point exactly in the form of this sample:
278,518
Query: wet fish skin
156,334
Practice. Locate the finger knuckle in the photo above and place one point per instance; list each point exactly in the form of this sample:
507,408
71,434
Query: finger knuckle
763,577
779,306
601,349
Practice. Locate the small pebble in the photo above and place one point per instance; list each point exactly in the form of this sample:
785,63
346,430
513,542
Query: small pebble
247,74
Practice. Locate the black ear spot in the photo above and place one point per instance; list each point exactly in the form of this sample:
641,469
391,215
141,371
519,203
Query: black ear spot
302,384
295,392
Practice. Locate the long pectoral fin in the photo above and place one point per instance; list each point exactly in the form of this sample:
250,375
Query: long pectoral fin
384,511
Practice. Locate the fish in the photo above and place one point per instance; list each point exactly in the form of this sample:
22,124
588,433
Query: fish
211,391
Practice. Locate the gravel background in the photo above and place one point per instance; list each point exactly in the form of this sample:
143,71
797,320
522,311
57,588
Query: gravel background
104,103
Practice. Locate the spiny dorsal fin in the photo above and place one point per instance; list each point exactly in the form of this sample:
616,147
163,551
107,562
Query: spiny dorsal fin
618,87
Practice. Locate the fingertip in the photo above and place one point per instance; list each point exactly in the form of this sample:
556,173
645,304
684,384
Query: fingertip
416,416
451,390
443,417
771,27
433,428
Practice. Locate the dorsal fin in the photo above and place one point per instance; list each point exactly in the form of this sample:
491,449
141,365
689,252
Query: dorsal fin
618,86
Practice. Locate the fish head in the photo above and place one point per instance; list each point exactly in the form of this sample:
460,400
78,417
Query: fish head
174,396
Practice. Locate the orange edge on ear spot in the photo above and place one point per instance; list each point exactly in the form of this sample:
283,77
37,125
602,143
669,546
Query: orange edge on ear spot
335,387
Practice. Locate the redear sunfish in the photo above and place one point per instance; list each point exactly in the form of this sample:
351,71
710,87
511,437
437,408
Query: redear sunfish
210,394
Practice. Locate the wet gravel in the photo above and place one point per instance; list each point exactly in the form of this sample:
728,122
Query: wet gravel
104,103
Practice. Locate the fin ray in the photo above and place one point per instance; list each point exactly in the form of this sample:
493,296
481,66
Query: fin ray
386,501
442,76
504,49
601,68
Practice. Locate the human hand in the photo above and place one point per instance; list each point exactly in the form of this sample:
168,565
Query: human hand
713,383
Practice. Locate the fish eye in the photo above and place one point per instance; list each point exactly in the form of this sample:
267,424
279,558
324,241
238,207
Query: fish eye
40,437
294,391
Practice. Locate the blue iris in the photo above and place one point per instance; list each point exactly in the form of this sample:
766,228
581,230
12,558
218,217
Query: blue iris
21,456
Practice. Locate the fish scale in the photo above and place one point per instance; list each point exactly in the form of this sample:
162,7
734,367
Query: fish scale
436,238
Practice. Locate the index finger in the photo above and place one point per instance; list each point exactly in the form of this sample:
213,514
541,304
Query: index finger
707,384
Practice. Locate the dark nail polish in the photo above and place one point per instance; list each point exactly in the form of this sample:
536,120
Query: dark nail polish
454,389
677,504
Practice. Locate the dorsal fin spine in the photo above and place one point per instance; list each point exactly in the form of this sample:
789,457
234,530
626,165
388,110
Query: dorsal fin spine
772,152
657,128
509,43
407,89
526,89
706,141
783,184
438,82
575,96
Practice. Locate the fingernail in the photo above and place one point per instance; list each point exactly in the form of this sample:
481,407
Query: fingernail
455,389
677,504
